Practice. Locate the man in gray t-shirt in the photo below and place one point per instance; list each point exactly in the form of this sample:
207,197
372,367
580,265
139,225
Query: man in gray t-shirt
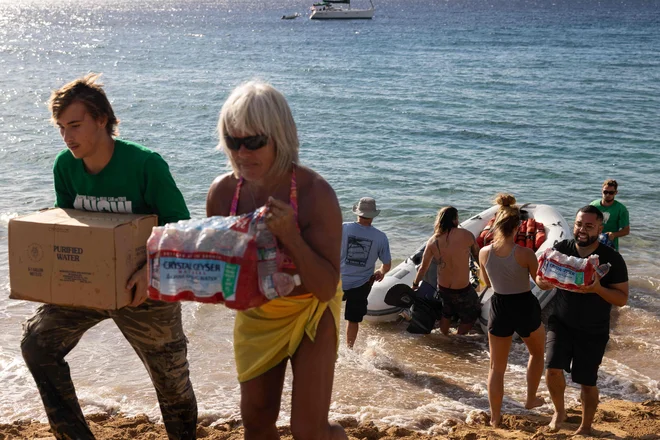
361,245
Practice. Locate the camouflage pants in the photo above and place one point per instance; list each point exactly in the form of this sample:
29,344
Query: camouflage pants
154,331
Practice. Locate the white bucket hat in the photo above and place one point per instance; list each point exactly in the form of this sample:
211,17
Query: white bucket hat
366,207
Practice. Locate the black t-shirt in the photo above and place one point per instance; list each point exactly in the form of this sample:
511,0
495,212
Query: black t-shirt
589,312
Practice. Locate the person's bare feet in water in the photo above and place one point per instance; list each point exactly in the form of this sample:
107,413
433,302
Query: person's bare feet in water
535,402
557,418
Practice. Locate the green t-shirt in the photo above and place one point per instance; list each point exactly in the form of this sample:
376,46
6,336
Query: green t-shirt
615,218
136,180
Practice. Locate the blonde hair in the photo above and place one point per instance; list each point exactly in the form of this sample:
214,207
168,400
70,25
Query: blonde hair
88,91
507,218
257,108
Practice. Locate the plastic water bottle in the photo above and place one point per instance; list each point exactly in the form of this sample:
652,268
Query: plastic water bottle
267,253
216,236
272,283
171,239
190,235
152,256
154,239
603,269
210,240
278,284
605,239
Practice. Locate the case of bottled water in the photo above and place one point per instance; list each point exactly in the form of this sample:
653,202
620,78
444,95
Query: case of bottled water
231,260
567,272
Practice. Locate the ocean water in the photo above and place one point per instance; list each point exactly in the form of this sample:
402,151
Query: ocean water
429,104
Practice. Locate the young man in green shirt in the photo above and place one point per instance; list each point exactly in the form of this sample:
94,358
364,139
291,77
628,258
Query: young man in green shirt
100,173
616,221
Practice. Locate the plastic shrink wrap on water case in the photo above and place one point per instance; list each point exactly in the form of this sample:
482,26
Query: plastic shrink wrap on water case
567,272
230,260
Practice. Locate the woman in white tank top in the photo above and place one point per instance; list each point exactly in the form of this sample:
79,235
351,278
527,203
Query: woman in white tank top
507,267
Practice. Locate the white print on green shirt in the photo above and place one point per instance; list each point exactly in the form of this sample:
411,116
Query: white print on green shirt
103,204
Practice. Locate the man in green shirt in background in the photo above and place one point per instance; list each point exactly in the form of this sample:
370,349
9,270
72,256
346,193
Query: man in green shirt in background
100,173
616,221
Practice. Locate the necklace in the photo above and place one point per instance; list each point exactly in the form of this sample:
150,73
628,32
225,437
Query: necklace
254,203
271,193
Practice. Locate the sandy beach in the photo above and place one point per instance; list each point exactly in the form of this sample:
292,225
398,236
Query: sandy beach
616,419
432,103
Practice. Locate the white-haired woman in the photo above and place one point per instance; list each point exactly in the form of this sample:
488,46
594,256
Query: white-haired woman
259,136
507,267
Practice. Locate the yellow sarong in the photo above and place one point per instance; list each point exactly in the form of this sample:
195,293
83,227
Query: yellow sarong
266,335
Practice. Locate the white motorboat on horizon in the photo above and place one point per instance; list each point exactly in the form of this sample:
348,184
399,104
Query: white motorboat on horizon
326,10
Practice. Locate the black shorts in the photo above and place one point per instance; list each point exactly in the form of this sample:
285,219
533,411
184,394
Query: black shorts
520,313
463,303
356,302
575,351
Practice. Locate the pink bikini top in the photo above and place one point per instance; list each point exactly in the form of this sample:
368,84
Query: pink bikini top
287,262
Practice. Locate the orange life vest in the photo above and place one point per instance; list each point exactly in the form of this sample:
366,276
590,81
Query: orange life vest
531,233
521,237
486,236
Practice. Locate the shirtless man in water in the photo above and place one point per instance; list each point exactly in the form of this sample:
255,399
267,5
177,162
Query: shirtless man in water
451,248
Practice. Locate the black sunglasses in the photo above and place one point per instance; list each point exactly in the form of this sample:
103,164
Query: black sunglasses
609,192
252,143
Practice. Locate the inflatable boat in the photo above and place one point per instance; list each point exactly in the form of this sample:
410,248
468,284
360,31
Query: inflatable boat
555,228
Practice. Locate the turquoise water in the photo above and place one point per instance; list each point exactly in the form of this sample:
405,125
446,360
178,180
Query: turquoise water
429,104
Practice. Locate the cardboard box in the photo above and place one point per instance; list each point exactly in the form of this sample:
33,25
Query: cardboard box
76,258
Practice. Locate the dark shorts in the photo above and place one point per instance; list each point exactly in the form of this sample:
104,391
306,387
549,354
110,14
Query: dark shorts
463,303
519,313
356,302
575,351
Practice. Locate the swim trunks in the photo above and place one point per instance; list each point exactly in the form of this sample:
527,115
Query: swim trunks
356,302
463,303
575,351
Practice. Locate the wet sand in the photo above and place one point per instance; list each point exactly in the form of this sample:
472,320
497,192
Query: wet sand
616,419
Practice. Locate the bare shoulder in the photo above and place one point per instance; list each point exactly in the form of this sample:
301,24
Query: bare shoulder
525,253
311,185
466,235
221,192
484,254
224,179
315,195
431,246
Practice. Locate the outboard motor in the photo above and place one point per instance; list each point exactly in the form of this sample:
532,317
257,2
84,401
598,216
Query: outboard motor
425,311
427,306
